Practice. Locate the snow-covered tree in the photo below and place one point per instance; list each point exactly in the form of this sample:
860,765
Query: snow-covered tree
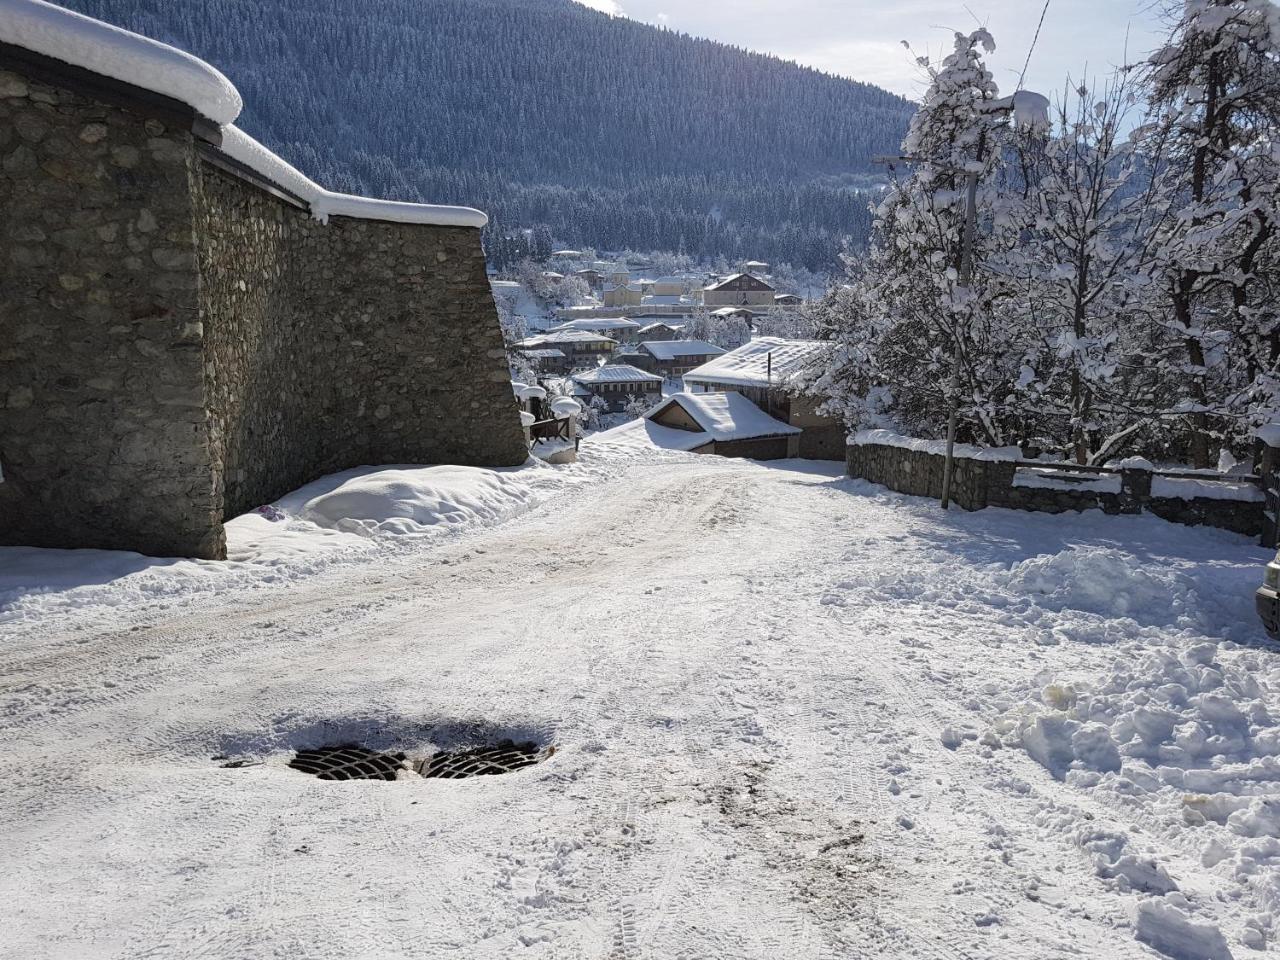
1081,273
1214,88
923,308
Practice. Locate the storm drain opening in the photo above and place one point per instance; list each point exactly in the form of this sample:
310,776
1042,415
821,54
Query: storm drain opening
349,762
483,761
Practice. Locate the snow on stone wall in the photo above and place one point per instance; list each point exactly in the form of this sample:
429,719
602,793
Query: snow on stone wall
181,345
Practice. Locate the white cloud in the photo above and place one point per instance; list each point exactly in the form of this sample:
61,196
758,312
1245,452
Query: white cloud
862,38
611,7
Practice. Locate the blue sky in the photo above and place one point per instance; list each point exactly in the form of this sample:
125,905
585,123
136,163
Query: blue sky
862,38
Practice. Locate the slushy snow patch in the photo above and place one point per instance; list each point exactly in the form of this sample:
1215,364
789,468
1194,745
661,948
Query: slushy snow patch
100,47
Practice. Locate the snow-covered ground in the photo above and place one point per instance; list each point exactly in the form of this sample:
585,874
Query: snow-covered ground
795,716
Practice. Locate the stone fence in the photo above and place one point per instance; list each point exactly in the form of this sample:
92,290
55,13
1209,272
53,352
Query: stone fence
182,340
1001,478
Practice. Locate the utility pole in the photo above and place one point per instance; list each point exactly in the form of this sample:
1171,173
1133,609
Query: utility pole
966,277
968,239
1021,101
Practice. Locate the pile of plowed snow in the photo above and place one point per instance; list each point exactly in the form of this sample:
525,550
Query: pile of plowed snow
409,500
1187,740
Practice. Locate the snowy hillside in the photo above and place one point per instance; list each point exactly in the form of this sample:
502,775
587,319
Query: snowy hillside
612,133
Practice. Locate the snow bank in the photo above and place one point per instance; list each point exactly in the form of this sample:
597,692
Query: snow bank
340,519
412,499
97,46
325,204
1185,741
1105,581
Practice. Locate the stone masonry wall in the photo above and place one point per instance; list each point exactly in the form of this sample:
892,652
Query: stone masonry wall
178,345
103,438
331,346
977,484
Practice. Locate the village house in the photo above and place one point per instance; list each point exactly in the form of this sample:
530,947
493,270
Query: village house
762,370
580,347
674,358
725,424
658,331
787,300
622,295
617,383
739,290
758,267
547,361
619,328
592,277
748,316
669,287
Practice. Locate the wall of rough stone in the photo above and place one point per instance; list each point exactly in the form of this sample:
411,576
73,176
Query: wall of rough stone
103,438
178,345
977,484
341,344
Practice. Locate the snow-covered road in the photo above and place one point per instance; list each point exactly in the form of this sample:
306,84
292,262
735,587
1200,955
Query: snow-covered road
780,700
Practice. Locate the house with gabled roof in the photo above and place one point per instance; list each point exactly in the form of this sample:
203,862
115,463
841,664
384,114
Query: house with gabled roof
739,290
580,347
764,370
674,358
617,383
725,424
620,328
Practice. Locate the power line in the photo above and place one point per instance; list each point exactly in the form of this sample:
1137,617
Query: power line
1034,41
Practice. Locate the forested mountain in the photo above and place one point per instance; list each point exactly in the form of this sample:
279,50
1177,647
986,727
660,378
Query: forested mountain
610,132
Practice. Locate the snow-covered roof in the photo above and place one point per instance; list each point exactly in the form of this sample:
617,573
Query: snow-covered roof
671,349
737,276
733,312
116,53
749,364
564,336
666,300
598,323
617,373
131,58
548,354
661,323
727,416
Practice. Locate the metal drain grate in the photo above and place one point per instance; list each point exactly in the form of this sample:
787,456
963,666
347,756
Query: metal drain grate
348,763
483,761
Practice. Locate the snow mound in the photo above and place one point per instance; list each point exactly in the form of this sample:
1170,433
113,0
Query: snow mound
412,500
1169,930
1107,582
100,47
1186,741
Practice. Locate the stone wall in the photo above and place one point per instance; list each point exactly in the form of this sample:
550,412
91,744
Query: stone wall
340,344
178,345
977,484
103,433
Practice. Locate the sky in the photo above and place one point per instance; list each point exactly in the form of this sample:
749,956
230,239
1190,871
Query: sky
862,39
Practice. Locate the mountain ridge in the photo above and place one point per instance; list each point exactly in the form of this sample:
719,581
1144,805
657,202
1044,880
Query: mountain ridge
608,131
